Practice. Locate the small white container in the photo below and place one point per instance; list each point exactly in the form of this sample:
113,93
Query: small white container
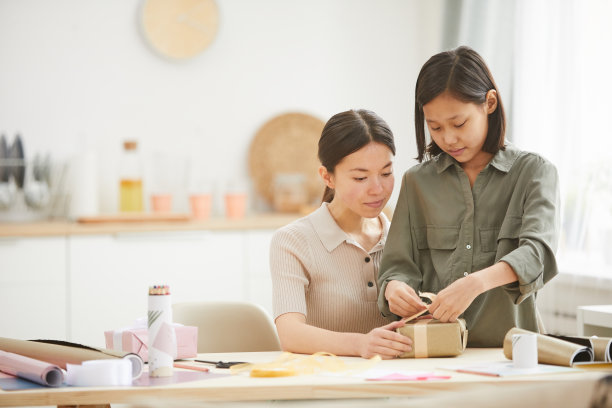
525,350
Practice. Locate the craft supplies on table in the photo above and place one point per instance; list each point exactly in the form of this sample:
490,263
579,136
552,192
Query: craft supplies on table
162,339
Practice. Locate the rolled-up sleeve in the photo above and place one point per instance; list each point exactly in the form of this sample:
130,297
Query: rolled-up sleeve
533,260
398,256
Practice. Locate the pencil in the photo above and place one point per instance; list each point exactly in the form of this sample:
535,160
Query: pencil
190,367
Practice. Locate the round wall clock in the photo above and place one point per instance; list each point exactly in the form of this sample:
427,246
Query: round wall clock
180,29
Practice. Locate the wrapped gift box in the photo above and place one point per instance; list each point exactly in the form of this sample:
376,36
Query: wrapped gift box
432,338
135,341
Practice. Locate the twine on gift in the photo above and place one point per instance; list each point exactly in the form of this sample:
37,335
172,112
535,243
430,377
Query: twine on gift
289,364
427,295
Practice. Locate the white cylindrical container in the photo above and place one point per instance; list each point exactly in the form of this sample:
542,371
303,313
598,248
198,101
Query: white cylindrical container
525,350
162,339
84,185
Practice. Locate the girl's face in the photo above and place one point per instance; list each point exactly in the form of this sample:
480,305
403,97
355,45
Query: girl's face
460,128
363,180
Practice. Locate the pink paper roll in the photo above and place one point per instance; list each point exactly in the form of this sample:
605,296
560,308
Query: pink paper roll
31,369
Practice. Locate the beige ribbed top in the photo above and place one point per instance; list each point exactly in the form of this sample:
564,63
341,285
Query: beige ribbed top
319,271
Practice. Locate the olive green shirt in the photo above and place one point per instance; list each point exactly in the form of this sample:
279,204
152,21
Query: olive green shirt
443,229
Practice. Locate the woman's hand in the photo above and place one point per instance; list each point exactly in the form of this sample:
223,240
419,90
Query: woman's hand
403,300
450,302
385,342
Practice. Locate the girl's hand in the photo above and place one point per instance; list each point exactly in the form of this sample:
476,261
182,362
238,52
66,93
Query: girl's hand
385,342
454,299
403,300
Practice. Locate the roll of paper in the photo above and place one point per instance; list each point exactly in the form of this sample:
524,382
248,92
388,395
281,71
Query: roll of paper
61,353
31,369
162,339
525,350
550,350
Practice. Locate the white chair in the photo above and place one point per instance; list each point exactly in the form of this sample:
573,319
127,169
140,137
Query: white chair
228,326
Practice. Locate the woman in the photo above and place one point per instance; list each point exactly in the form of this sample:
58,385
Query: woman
478,222
324,266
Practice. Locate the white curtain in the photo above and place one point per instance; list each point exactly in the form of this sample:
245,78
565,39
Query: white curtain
562,109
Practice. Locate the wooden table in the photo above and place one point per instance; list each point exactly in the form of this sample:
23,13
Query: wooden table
241,387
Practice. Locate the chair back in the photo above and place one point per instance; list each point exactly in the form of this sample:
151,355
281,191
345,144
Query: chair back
228,326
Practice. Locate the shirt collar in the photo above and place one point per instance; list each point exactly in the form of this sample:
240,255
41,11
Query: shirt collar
502,161
330,233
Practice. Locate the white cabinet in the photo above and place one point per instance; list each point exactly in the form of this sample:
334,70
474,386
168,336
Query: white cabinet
75,287
109,275
258,279
33,288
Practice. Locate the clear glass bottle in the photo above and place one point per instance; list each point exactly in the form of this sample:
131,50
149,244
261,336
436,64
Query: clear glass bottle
130,184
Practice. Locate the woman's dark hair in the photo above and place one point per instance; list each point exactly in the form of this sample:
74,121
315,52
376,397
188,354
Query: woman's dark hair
464,74
345,133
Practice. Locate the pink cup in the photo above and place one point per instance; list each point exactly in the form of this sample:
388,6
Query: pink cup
161,203
201,205
235,205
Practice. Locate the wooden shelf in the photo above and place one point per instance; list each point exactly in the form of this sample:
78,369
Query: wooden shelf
58,228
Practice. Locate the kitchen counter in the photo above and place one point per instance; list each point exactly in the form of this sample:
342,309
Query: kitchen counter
63,227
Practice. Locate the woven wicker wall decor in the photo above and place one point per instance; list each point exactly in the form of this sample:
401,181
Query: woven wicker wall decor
286,144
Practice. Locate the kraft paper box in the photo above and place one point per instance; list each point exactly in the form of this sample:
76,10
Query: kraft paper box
432,338
135,341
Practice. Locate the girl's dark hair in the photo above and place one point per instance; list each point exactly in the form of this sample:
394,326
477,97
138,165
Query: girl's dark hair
463,73
345,133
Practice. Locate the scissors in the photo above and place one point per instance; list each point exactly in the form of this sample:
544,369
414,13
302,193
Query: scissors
221,364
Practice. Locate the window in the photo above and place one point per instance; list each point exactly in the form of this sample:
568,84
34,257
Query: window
562,109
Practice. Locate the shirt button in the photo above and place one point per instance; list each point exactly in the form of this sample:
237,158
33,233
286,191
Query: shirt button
367,259
370,284
468,246
465,274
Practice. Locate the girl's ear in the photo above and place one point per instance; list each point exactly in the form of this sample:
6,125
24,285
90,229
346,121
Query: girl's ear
491,101
326,176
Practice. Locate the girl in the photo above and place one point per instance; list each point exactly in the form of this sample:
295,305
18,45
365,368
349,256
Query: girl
324,266
478,221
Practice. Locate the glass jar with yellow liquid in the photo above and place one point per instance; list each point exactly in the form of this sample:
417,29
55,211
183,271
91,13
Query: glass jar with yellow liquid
130,184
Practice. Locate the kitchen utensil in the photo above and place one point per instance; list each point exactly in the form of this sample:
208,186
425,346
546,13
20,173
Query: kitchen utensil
5,168
36,189
18,167
7,194
286,144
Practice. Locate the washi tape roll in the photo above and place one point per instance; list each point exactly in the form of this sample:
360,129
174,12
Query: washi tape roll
92,373
162,339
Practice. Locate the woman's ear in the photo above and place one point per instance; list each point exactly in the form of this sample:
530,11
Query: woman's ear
491,101
326,176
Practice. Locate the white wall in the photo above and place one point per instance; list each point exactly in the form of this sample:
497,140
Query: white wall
78,76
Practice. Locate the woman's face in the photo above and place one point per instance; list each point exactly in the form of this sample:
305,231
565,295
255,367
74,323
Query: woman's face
363,180
460,128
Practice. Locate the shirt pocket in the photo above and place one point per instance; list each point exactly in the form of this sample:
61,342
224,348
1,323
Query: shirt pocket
506,236
434,237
